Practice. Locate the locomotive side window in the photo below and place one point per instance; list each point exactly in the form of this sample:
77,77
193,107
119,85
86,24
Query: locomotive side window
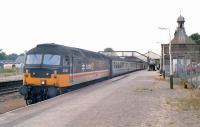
34,59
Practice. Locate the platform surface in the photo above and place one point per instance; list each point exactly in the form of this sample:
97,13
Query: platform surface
137,99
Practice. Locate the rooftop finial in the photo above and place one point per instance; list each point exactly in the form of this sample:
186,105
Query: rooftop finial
180,10
180,20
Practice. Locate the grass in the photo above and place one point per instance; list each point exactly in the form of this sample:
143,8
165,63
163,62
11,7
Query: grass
143,89
190,103
159,77
172,122
185,104
9,72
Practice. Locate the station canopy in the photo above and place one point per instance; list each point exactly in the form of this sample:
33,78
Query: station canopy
127,54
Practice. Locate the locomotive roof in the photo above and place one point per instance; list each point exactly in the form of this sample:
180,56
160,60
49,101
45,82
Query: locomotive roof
64,50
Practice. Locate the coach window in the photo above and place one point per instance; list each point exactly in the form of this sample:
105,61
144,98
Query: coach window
117,64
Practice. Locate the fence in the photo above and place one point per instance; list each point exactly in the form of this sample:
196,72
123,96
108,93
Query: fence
187,70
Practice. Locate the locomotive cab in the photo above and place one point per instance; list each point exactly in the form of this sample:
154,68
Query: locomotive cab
44,76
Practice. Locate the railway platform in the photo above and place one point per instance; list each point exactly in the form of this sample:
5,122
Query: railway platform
138,99
10,78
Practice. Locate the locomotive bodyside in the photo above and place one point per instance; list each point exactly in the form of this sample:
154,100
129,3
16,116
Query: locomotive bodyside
51,68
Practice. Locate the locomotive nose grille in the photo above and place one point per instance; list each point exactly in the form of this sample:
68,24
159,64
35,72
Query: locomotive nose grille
40,73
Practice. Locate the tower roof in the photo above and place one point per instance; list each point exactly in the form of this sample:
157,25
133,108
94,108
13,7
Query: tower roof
180,36
181,19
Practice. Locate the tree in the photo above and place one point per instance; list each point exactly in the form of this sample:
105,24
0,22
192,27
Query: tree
22,54
195,37
108,50
2,55
12,56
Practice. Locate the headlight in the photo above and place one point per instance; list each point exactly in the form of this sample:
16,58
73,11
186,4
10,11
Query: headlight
43,82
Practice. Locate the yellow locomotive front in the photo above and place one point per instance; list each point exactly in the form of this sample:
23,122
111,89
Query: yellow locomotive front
49,72
45,69
46,75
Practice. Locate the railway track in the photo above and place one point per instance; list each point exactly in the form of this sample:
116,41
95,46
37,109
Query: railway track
9,87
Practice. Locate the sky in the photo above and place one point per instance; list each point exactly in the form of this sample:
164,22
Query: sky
93,24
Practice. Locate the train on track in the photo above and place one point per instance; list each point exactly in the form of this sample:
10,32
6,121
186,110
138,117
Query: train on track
50,69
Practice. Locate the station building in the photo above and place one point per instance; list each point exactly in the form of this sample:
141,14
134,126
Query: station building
185,52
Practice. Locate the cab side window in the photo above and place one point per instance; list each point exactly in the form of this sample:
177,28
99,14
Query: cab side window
66,61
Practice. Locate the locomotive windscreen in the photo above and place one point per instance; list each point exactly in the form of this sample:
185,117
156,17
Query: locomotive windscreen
34,59
51,59
48,59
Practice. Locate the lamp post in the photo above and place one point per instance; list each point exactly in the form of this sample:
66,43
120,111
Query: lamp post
163,60
170,56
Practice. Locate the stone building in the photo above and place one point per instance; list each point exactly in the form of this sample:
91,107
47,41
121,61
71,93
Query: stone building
184,50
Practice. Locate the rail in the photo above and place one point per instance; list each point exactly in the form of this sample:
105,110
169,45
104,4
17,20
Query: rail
9,87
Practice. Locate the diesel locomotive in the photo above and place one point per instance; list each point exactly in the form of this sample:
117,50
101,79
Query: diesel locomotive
51,68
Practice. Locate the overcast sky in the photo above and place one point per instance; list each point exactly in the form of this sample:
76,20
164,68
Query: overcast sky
93,24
